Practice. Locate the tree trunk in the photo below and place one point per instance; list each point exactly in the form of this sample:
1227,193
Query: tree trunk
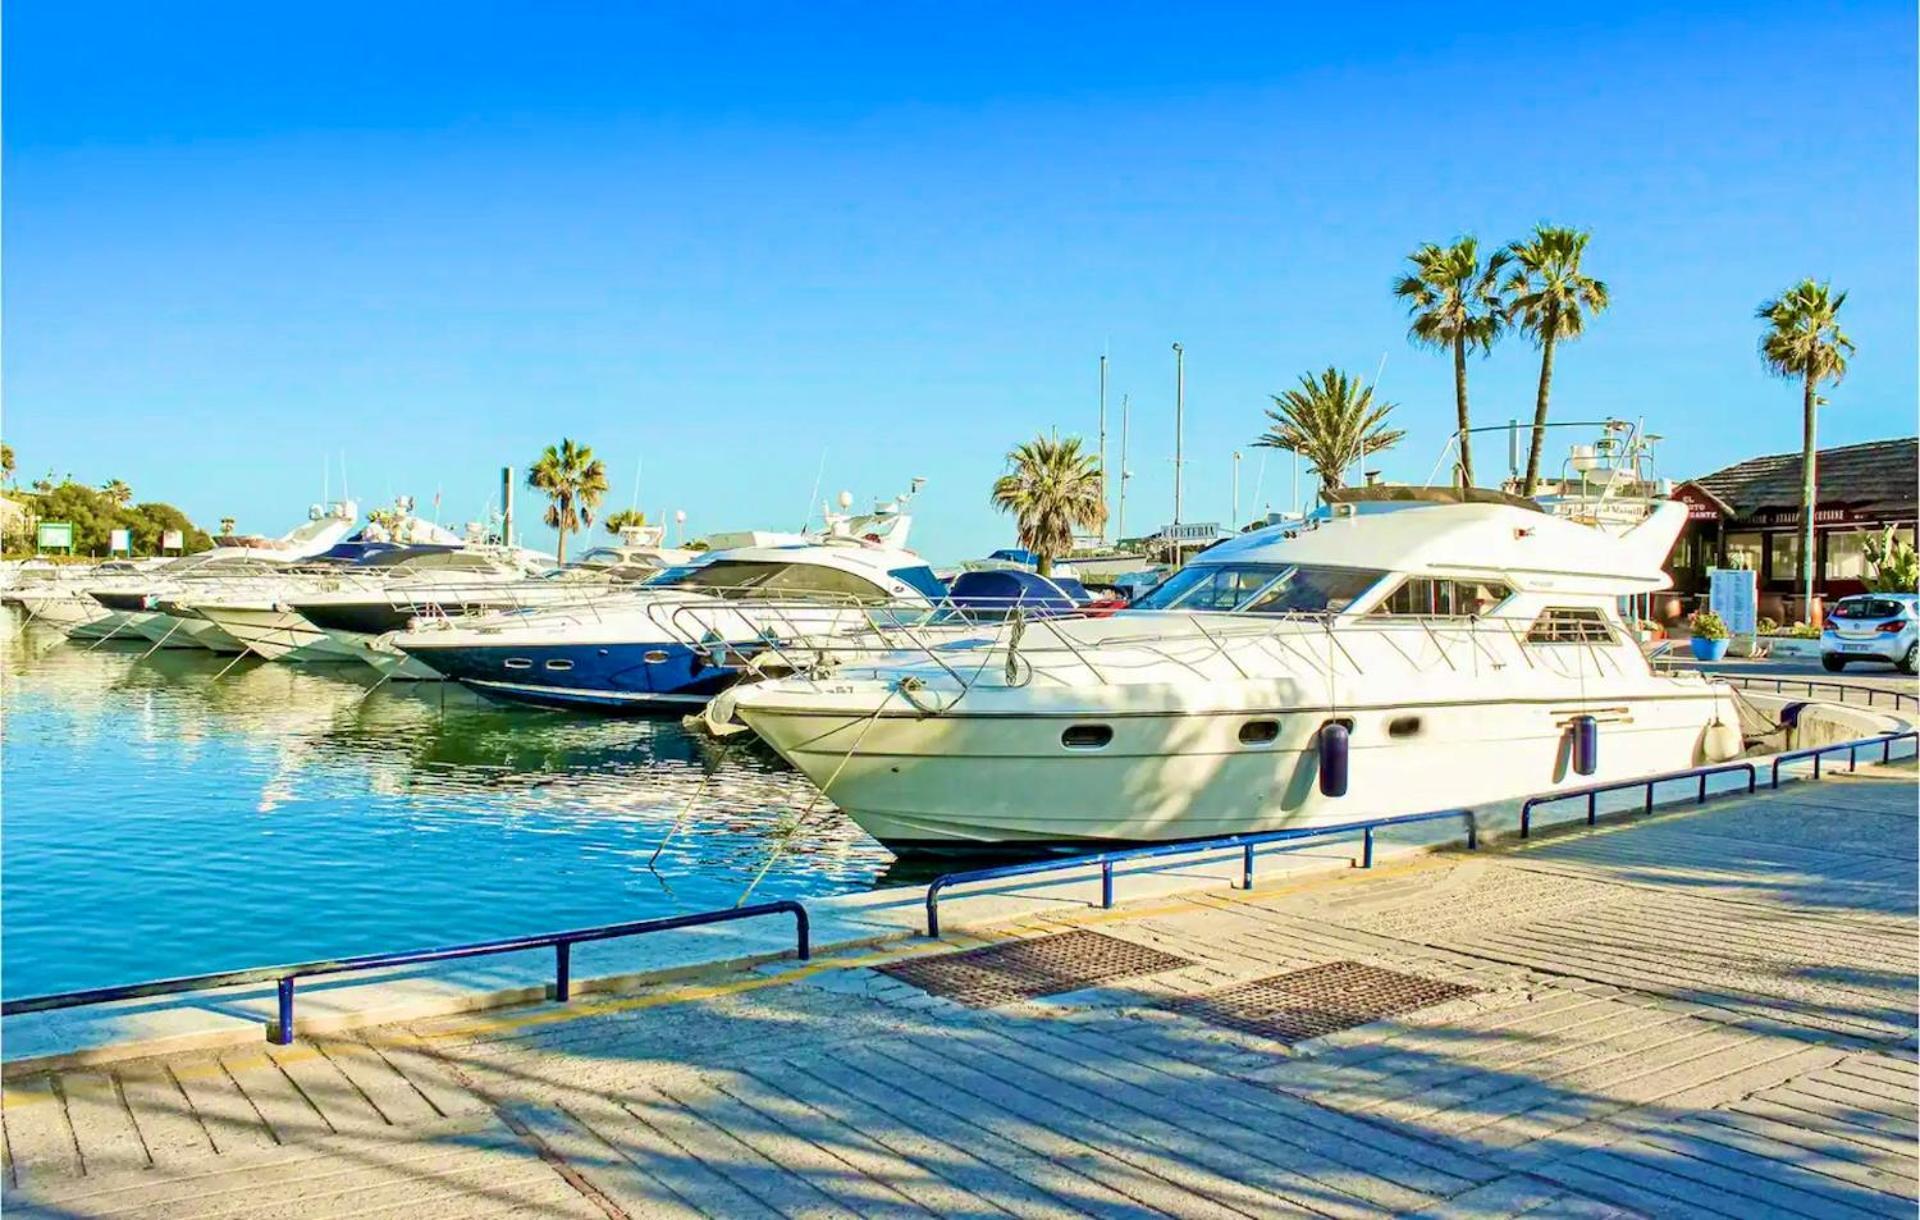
1043,563
1808,486
1540,405
1460,401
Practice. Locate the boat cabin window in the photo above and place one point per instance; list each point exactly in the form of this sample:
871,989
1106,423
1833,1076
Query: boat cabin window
1260,588
1431,598
767,581
1570,625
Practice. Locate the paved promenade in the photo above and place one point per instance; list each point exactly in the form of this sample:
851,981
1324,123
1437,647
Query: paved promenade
1708,1012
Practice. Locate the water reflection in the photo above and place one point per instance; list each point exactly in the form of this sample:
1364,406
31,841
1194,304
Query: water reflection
165,814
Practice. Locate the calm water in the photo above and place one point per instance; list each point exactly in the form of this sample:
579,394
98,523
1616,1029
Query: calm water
160,819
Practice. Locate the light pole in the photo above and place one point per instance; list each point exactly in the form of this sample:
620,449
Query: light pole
1103,451
1120,525
1234,524
1179,422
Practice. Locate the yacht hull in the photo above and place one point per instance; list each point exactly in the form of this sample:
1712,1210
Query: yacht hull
617,677
378,651
273,633
178,631
960,782
65,613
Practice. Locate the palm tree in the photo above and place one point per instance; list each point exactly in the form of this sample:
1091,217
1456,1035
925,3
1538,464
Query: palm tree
626,518
1803,339
1551,300
1455,302
117,491
1332,421
6,462
574,481
1052,490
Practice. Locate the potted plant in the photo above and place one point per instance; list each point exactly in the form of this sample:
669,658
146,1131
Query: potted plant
1710,636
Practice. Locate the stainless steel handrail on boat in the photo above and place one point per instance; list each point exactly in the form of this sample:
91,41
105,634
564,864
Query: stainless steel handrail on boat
281,1033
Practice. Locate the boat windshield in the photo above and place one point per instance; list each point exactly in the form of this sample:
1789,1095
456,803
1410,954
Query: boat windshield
765,581
1260,588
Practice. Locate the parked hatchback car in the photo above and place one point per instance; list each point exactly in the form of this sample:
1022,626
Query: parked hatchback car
1882,627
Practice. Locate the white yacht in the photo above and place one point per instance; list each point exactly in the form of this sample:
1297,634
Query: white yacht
1395,653
688,633
237,557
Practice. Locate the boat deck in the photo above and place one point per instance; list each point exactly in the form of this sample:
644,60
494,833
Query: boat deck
1706,1012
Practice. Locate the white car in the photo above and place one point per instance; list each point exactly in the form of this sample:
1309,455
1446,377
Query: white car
1880,627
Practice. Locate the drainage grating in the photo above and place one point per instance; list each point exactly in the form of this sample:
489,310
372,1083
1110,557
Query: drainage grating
1319,1000
1025,969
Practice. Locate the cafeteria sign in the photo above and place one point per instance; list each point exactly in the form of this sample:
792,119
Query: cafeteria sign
55,535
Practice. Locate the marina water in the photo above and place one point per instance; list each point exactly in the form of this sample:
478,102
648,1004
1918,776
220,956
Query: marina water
165,819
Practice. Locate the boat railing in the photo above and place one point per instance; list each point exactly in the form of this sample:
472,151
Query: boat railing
284,977
1026,635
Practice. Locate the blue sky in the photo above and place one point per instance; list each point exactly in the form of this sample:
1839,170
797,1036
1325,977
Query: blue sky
722,240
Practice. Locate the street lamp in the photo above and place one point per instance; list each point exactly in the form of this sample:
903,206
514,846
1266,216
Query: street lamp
1179,421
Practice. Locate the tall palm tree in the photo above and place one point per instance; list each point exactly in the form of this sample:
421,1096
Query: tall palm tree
1803,339
1455,301
574,481
1052,490
626,518
118,491
1550,299
1332,421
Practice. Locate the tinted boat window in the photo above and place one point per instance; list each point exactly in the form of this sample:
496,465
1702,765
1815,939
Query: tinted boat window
1260,588
747,578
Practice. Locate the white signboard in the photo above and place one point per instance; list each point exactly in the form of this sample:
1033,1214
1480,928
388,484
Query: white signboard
172,540
1733,594
120,542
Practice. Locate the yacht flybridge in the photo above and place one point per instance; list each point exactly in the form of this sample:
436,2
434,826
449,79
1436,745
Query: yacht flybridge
1421,649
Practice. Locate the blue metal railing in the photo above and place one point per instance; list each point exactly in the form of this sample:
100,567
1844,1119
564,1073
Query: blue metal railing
1246,843
1593,792
1853,748
1874,694
281,1033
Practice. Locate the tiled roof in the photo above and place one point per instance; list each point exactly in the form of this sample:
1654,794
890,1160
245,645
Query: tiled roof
1876,477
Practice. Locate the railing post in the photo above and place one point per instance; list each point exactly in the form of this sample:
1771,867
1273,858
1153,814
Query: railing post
1246,867
1593,808
1703,789
1106,884
1473,830
1816,764
802,933
933,908
1649,805
563,971
283,1031
1853,758
1526,817
1366,848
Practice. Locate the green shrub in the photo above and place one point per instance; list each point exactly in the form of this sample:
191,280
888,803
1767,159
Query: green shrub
1708,626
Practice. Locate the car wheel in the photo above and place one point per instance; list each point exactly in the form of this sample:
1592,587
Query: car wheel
1911,662
1833,664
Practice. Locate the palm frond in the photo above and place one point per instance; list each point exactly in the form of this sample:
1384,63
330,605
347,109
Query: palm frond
1052,489
1331,420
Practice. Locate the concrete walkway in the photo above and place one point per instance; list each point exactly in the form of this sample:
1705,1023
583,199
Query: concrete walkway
1707,1012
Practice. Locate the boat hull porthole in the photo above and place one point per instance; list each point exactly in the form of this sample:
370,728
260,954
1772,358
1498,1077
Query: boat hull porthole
1087,736
1259,732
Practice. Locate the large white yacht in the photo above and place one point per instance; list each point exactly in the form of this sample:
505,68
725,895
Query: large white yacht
1422,649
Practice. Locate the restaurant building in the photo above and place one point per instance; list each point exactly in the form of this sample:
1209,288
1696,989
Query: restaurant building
1748,515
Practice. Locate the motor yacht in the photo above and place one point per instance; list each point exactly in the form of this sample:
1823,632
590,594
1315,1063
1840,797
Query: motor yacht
1394,653
686,634
236,557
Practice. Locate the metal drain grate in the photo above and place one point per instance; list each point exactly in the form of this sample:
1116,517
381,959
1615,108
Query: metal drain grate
1319,1000
1025,969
